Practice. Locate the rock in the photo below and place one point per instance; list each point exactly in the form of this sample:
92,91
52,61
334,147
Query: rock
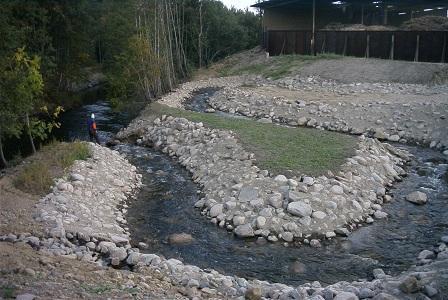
320,215
281,179
342,231
76,177
378,273
315,243
409,285
430,291
276,200
417,198
245,230
142,246
366,293
118,239
336,189
238,220
25,297
287,236
216,210
118,254
380,214
248,194
426,254
260,222
180,238
346,296
308,180
394,138
444,239
253,293
384,296
302,121
330,234
300,209
293,196
133,258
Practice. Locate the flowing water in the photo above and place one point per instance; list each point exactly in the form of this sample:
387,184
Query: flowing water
165,206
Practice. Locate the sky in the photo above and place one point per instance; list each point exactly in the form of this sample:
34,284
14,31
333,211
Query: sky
241,4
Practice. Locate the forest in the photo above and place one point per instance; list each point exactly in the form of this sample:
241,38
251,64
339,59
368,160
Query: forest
142,48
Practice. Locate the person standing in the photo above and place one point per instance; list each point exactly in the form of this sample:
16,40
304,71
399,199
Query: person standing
91,124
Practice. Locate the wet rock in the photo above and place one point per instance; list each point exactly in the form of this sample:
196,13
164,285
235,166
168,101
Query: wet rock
315,243
245,230
180,238
300,209
426,254
380,214
287,236
417,198
216,210
409,285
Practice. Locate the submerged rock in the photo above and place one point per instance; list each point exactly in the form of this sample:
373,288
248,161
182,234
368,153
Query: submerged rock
180,238
417,198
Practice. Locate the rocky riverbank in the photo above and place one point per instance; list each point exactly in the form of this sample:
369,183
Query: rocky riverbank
241,197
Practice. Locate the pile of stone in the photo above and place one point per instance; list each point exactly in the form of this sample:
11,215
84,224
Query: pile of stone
87,202
419,282
416,122
248,201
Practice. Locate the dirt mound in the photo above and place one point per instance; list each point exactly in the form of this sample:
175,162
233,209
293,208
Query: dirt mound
427,23
350,70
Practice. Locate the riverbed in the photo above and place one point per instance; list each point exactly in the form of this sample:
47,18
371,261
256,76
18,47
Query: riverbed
165,206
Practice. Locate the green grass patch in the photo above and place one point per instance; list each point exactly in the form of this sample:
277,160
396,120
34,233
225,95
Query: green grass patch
275,67
37,173
285,150
7,292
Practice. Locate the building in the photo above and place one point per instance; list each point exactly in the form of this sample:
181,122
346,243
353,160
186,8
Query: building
305,27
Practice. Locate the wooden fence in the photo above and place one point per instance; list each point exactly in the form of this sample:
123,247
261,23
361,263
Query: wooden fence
427,46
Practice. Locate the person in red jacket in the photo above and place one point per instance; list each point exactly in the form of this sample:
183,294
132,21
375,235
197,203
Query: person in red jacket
91,124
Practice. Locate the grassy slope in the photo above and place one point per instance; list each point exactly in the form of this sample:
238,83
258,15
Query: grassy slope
279,149
37,173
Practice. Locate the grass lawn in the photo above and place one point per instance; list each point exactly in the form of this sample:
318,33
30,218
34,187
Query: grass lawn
276,67
281,150
36,174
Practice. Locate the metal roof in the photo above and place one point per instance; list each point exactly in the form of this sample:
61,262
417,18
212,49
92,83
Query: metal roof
397,4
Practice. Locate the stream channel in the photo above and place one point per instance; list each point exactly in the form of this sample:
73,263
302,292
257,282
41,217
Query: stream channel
164,206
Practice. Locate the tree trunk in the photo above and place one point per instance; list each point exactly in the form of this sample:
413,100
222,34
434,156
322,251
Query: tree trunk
200,36
2,156
30,136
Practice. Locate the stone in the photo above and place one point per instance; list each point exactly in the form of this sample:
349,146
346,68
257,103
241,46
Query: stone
76,177
426,254
216,210
378,273
366,293
346,296
342,231
394,138
253,293
247,194
25,297
430,291
281,179
118,253
238,220
308,180
293,196
409,285
260,222
380,214
300,209
336,189
384,296
315,243
417,198
302,121
276,200
245,230
330,234
180,238
287,236
320,215
133,258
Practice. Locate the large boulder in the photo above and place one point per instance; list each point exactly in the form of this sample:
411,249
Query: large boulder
346,296
245,230
417,198
300,209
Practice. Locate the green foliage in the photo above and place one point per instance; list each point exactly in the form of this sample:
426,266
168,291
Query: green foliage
280,149
8,292
36,176
41,128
